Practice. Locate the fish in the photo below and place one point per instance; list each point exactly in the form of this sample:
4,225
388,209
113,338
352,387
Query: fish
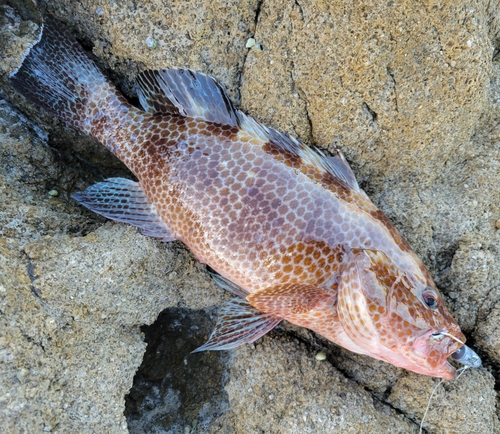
285,227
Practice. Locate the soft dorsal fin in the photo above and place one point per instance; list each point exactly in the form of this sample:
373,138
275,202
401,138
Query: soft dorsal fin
290,299
192,93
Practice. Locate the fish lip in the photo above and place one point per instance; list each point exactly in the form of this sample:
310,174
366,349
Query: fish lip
448,371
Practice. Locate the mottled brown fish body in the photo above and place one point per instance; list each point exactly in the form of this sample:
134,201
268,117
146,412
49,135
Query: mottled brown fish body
257,220
288,228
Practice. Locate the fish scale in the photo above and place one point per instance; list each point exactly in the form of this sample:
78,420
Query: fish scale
287,228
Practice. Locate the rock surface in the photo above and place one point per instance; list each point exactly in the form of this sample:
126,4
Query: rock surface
409,91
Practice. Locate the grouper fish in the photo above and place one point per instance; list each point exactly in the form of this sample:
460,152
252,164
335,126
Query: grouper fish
286,227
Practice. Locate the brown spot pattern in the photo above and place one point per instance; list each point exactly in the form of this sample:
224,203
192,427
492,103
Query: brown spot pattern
282,155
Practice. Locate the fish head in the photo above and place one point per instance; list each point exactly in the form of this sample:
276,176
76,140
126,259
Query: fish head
397,316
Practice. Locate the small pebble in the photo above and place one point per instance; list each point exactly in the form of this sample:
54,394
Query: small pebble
53,193
151,43
321,356
250,43
497,224
50,323
22,374
253,45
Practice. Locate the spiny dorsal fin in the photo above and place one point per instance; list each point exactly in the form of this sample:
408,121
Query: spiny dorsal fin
336,166
193,94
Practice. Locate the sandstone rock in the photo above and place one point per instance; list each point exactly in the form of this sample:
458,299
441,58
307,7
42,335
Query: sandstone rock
409,91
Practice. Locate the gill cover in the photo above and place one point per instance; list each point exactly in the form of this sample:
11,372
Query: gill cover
362,303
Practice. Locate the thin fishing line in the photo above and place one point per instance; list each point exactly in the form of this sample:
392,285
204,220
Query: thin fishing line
461,370
453,337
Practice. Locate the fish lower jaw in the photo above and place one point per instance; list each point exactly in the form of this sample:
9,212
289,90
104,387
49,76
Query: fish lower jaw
445,371
380,352
449,372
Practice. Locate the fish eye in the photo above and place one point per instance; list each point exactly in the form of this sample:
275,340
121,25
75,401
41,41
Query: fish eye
430,298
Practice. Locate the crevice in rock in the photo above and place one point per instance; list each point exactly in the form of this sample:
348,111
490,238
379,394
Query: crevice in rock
300,10
390,73
33,341
247,51
30,271
174,389
373,115
494,27
444,256
257,13
302,96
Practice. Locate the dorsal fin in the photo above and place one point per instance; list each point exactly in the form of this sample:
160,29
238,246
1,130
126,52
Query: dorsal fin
196,95
193,94
336,166
151,96
339,167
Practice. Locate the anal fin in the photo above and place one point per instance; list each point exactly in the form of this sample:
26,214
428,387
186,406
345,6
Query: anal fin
239,323
124,200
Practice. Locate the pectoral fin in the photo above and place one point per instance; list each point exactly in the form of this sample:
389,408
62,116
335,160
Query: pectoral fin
238,324
290,300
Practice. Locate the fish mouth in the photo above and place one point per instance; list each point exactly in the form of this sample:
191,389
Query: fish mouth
447,371
464,355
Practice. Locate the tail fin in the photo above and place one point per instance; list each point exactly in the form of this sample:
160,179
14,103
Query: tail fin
57,75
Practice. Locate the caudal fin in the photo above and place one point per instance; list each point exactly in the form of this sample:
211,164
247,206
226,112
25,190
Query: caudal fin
57,75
